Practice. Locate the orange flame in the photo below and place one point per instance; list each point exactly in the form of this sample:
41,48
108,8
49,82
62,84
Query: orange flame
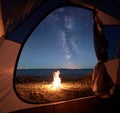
56,80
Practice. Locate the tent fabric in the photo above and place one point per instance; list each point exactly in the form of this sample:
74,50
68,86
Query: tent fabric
8,99
18,18
114,73
101,44
30,15
110,7
17,11
112,32
27,25
2,32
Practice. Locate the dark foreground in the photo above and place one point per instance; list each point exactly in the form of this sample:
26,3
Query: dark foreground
82,105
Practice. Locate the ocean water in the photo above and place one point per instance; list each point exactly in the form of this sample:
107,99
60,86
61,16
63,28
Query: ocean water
71,73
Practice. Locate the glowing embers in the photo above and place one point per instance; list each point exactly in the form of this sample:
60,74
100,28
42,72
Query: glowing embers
56,84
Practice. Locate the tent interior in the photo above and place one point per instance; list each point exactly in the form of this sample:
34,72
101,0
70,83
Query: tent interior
19,19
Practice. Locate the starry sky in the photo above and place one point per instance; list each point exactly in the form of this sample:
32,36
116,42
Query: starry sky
64,39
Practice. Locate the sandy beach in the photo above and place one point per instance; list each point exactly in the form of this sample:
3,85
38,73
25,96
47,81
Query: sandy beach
43,92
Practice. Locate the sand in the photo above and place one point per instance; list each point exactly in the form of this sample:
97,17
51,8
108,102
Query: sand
42,92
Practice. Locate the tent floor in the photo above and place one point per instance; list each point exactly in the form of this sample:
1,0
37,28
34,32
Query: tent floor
84,105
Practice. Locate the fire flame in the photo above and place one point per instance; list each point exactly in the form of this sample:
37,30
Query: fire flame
56,84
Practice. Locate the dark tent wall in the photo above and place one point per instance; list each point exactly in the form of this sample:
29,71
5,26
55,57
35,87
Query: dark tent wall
24,24
18,18
1,27
30,14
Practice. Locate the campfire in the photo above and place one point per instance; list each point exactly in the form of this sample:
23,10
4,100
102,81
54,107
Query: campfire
54,91
56,84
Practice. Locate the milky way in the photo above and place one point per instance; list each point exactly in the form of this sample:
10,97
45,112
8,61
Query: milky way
64,39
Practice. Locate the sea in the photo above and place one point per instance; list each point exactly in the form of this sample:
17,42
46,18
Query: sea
68,73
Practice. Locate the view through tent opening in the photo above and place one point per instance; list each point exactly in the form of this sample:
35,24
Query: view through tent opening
56,62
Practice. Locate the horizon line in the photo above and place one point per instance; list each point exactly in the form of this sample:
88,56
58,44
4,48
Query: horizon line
56,68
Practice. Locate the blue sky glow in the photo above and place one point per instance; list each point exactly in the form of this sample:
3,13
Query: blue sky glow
64,39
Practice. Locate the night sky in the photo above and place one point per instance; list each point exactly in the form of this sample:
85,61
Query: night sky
64,39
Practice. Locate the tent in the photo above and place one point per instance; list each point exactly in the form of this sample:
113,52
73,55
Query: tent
18,18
